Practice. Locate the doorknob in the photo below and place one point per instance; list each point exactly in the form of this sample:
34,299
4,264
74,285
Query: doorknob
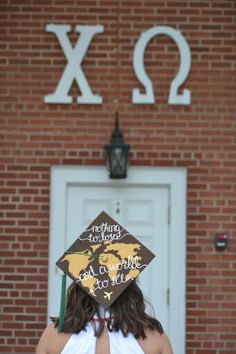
117,208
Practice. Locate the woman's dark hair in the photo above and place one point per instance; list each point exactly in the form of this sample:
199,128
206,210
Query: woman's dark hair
127,313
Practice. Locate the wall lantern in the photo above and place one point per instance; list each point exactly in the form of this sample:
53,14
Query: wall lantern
117,153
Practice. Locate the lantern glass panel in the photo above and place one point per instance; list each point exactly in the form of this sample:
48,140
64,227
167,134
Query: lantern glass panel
118,162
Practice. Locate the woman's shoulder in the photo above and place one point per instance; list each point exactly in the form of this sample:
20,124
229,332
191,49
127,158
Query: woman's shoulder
155,343
52,342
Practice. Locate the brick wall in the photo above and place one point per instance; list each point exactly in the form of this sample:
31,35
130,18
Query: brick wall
201,137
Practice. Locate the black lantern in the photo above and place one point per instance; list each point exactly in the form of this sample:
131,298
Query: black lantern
117,154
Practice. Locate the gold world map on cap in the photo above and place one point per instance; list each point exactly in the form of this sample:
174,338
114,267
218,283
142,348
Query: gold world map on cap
105,259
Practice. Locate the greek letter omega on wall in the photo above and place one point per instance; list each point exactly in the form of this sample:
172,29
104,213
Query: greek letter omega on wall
75,56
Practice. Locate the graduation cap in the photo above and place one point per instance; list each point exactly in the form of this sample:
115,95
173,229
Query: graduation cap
103,260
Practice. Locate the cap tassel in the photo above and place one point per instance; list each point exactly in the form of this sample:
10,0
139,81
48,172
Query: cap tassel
63,302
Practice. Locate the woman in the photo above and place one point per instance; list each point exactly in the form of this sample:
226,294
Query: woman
124,328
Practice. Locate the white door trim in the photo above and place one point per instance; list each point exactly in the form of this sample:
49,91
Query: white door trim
175,180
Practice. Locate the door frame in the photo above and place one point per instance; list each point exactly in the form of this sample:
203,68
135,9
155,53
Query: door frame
176,181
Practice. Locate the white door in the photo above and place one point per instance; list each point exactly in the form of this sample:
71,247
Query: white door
151,204
143,211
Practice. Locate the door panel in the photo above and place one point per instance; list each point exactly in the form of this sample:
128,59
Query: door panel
143,212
